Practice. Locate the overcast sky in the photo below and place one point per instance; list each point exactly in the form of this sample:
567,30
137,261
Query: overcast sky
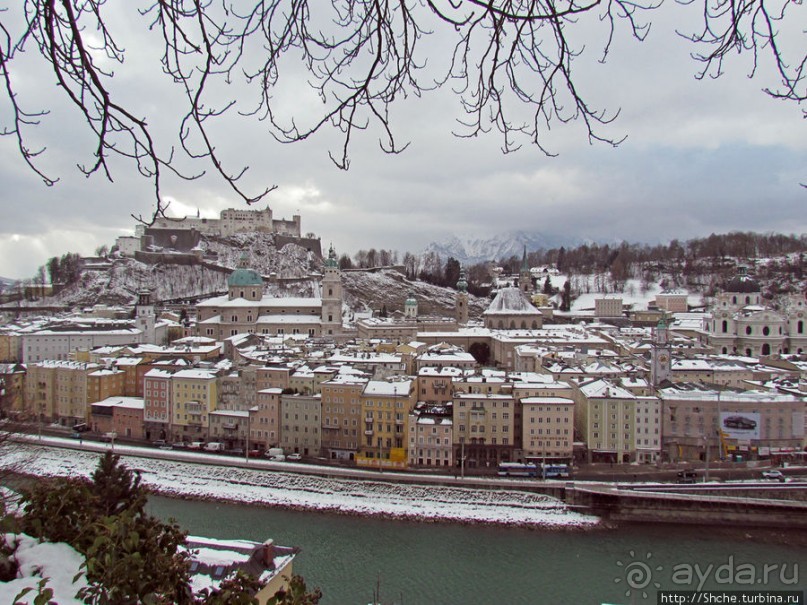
700,157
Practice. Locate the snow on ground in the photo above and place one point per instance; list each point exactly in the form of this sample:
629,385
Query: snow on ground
306,492
59,563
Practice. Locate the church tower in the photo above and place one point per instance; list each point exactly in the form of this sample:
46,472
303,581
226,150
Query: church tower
411,307
331,296
661,354
525,277
461,302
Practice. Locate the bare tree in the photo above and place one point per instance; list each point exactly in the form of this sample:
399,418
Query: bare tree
511,63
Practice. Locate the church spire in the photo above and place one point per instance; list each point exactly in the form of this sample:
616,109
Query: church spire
332,262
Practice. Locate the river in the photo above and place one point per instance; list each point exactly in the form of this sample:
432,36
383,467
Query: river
435,563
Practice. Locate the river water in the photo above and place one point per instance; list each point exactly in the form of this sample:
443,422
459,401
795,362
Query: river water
409,563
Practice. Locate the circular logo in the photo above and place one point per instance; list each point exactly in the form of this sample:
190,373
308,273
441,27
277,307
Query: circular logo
638,574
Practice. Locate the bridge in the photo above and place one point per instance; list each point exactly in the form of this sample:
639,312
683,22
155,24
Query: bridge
740,505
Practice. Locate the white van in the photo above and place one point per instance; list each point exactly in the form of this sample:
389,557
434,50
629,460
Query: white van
214,446
275,454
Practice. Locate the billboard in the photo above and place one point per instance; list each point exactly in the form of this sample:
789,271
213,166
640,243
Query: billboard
740,425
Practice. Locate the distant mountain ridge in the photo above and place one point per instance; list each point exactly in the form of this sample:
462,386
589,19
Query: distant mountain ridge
499,247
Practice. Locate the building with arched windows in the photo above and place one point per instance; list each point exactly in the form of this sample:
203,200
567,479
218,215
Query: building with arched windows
246,309
742,324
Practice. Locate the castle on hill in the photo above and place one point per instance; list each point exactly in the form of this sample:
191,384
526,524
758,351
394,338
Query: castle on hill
232,221
182,235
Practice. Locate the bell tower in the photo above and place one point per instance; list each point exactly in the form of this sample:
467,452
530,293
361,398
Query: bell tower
145,317
525,276
661,354
461,301
331,296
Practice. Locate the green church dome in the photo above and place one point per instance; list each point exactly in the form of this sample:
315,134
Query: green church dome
243,278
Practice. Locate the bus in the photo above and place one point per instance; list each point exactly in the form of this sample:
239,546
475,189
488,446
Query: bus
517,469
555,471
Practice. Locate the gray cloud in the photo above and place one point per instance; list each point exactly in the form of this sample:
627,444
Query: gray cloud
700,157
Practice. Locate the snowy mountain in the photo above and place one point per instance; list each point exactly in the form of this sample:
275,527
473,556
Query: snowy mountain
502,246
6,283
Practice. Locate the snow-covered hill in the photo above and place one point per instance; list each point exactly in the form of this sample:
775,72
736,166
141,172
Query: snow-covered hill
390,288
177,277
296,269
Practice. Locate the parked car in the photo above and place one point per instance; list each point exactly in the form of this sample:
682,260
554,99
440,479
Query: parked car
158,442
196,445
688,476
278,458
739,422
294,457
179,445
773,474
214,446
108,437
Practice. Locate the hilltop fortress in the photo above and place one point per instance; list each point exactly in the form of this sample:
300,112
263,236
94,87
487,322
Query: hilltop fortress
234,221
182,235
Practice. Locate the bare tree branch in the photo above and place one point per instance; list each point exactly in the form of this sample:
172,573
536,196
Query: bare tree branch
511,64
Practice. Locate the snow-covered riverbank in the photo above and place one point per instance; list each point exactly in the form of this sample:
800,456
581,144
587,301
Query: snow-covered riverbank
305,492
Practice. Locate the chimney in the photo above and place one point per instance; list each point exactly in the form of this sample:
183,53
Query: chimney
268,548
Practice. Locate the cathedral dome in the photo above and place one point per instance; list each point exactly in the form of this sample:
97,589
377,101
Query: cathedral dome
244,278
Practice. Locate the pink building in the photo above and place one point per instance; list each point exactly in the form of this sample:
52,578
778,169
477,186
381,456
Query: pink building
157,404
120,415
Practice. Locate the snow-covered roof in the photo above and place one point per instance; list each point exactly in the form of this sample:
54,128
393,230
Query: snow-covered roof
231,413
265,301
195,373
132,403
697,393
547,401
379,388
158,373
288,319
511,301
605,388
442,371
